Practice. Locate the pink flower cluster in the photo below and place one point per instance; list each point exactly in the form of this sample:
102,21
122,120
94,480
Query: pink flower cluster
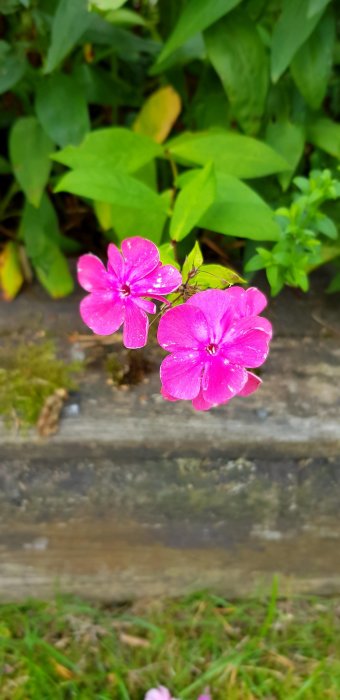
214,338
162,693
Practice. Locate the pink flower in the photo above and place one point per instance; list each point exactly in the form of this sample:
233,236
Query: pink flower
160,693
212,338
117,294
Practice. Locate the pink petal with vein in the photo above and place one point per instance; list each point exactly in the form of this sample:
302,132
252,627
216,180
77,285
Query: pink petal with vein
167,396
115,261
216,304
252,384
221,380
255,302
182,327
200,404
181,374
164,279
91,273
102,312
136,326
141,257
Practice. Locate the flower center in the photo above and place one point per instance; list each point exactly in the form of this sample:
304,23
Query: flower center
125,290
211,349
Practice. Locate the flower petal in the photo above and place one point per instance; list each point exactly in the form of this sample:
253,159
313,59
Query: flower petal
141,257
102,312
160,693
255,300
116,262
92,274
147,306
222,380
200,404
182,327
136,326
247,344
181,374
219,307
167,396
164,279
252,384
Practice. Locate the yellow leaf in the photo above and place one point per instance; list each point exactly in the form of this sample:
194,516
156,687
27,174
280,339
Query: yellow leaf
11,277
62,671
103,212
158,114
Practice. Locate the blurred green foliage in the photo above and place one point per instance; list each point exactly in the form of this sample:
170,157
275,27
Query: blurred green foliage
177,120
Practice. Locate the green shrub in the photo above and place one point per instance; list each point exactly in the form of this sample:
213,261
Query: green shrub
174,118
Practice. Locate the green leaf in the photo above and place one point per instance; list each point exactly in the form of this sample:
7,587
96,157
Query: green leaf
230,152
167,254
216,277
69,24
113,147
327,226
192,202
61,109
11,277
5,167
291,31
334,285
50,224
192,262
239,211
105,5
316,6
134,205
238,55
312,65
288,139
48,261
255,263
30,149
12,67
275,279
325,134
196,16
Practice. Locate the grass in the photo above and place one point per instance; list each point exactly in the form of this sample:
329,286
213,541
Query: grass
285,650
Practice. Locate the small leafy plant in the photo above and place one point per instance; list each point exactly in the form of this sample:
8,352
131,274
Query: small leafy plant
304,230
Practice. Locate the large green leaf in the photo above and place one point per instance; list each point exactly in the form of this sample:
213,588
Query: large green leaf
135,206
61,109
312,65
192,202
30,149
196,16
238,55
325,134
229,151
69,24
113,147
239,211
288,139
47,259
12,67
294,26
316,6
